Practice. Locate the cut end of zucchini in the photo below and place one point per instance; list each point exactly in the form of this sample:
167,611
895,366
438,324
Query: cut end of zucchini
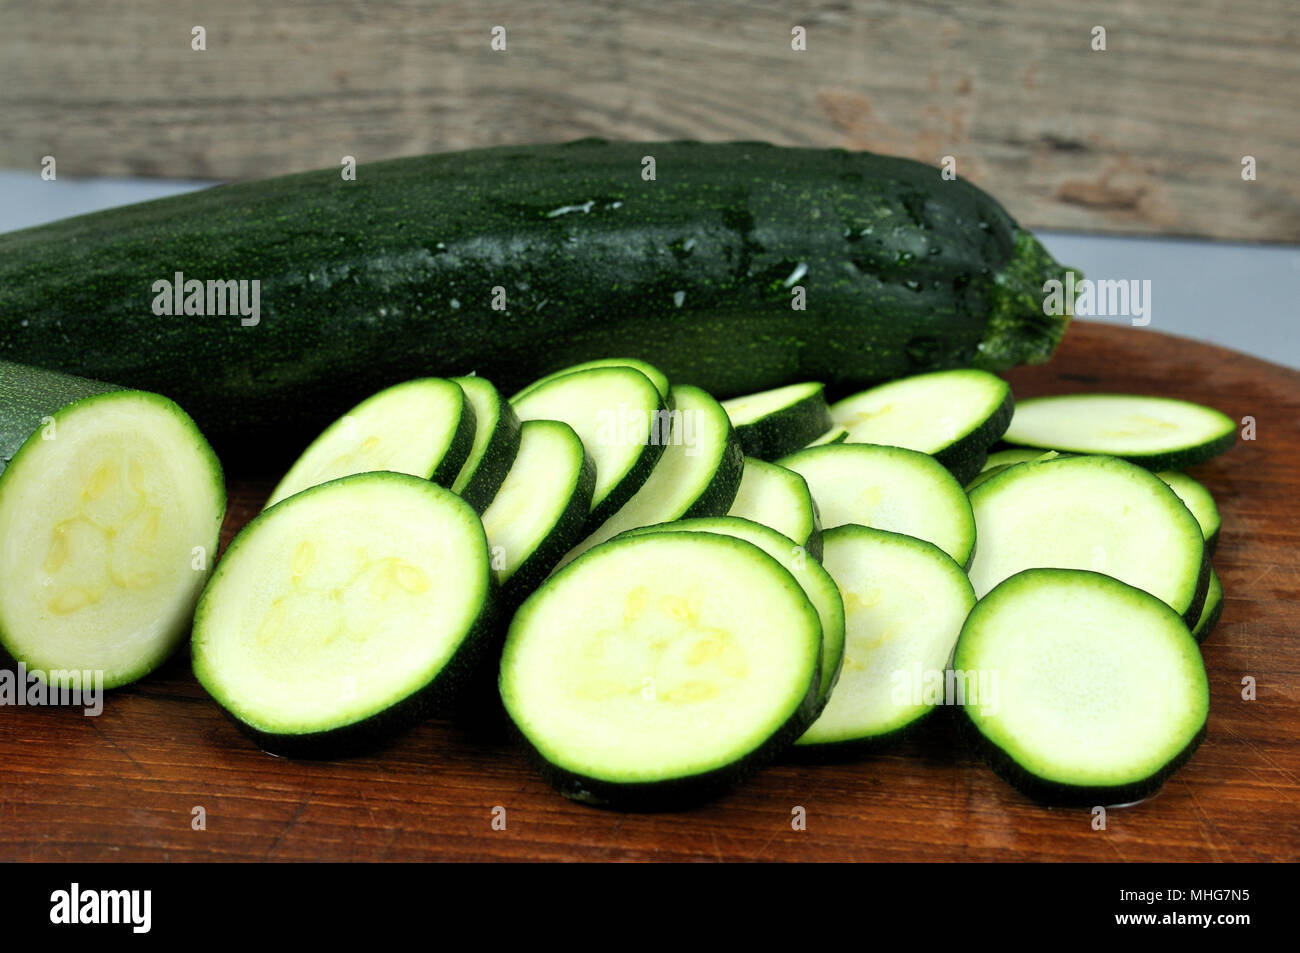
1100,692
1020,331
614,668
344,611
109,523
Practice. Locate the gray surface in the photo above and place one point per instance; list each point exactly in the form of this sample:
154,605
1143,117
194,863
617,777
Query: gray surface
1246,297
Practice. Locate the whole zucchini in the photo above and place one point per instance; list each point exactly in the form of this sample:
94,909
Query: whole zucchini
396,274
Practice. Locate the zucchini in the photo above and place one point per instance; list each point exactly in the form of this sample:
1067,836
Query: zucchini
657,377
780,421
834,435
999,461
541,509
1101,693
655,671
1095,513
1211,611
779,498
345,613
622,421
519,260
422,427
111,505
1197,499
1159,433
955,416
697,475
904,604
889,488
496,441
816,582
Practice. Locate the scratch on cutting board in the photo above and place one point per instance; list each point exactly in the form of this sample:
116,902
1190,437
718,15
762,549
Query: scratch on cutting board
293,822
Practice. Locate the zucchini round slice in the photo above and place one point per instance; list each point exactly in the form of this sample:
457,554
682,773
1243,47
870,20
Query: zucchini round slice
423,427
541,509
816,582
110,515
1197,499
888,488
1100,695
776,422
904,604
496,441
1159,433
955,416
1211,611
655,671
1090,512
656,376
622,420
698,474
779,498
997,462
345,613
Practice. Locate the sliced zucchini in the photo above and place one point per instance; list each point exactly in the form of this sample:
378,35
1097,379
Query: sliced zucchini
496,441
655,671
656,376
1197,499
423,427
904,604
776,422
1090,512
779,498
1159,433
834,435
1212,609
110,515
1101,693
541,509
622,420
997,462
345,613
955,416
698,474
888,488
816,582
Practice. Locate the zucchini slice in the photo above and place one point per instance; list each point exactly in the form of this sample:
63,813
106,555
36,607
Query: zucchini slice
776,422
496,441
541,509
345,613
1101,693
779,498
423,427
815,580
698,474
888,488
655,671
1212,609
834,435
904,604
1159,433
622,420
997,462
656,376
955,416
111,505
1090,512
1197,499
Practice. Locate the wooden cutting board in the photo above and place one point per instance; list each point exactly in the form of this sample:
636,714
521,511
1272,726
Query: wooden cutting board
126,785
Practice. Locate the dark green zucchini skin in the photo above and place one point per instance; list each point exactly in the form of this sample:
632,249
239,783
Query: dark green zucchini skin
391,276
28,395
498,458
779,435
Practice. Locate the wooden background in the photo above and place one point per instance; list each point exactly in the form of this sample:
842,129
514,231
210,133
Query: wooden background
1146,137
124,785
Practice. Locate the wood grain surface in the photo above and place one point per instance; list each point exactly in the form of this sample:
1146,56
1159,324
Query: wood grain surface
1146,136
124,785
